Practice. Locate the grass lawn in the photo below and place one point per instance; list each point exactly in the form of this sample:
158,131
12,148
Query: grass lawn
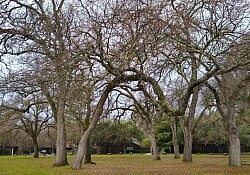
124,164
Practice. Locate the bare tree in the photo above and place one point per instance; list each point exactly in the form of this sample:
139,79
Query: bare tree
229,92
44,36
34,122
200,33
144,112
32,118
146,118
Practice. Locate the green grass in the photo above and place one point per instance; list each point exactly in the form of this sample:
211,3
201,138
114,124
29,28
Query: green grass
123,164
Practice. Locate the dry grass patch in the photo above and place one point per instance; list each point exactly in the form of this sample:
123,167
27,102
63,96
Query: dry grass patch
124,164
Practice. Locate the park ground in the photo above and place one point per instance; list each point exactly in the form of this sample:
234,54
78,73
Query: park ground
135,164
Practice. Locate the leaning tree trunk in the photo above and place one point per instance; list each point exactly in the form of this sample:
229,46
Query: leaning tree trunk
87,157
84,138
156,155
61,152
81,150
36,148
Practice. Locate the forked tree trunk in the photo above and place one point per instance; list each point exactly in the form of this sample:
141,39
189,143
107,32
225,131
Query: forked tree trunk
87,157
61,152
156,155
187,153
36,148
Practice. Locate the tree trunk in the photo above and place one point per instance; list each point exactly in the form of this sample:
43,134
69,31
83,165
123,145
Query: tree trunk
61,152
176,151
84,138
189,126
36,148
156,155
188,138
231,124
81,151
234,151
124,149
87,158
173,125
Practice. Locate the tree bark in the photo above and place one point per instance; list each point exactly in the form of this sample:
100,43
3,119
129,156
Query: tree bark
189,126
234,151
81,151
87,158
36,148
156,155
173,125
188,145
61,152
231,123
176,151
